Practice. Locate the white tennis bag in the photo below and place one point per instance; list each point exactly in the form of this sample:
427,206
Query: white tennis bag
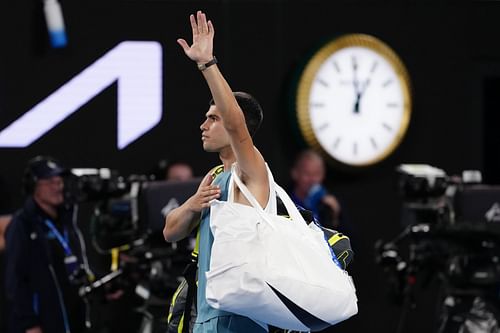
273,269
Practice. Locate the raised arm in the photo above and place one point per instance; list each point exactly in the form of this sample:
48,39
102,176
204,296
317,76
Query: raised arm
182,220
250,162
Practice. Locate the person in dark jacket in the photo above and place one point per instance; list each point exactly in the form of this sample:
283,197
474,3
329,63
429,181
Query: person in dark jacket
44,265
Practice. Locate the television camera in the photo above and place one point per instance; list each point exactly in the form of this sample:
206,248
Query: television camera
451,233
126,220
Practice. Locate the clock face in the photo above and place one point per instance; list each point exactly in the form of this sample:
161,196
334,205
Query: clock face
353,100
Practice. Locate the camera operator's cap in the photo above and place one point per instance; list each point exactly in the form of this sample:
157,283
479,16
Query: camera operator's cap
43,167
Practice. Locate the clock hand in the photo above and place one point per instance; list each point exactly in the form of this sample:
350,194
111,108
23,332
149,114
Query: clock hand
355,83
359,94
356,104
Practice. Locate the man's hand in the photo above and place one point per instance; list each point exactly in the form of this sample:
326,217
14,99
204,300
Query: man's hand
205,193
201,51
181,221
36,329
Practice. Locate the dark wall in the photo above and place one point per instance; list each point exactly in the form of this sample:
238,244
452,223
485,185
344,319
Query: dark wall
449,49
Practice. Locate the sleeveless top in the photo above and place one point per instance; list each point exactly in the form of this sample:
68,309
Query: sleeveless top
205,311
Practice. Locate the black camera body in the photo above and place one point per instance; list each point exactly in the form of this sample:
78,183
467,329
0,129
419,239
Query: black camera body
451,233
126,219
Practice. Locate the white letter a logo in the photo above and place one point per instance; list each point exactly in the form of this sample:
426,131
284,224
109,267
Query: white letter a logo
137,66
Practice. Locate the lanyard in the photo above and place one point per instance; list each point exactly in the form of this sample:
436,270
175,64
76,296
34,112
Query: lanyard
63,240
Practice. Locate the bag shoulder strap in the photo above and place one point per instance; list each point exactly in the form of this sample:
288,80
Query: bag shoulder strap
214,172
289,205
190,272
217,171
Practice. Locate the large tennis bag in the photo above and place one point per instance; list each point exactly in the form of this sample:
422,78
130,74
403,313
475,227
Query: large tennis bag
273,269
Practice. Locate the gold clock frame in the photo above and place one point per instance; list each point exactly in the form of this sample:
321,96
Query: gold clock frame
307,80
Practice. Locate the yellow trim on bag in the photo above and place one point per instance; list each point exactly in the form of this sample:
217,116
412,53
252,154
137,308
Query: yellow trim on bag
196,245
217,171
343,256
335,238
174,298
115,252
181,324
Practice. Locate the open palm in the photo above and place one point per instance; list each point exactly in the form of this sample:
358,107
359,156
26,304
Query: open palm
203,31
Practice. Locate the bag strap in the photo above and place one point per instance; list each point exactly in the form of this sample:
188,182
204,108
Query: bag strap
190,276
190,272
292,210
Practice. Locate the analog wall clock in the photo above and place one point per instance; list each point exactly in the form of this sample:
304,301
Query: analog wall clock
353,100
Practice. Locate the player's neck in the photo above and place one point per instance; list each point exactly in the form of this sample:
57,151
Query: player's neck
227,158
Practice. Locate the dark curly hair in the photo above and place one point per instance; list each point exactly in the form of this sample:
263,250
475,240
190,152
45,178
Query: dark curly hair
251,110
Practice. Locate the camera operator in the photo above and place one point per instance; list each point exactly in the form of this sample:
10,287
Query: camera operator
44,256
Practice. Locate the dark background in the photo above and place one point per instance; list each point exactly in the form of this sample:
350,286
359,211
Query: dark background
450,48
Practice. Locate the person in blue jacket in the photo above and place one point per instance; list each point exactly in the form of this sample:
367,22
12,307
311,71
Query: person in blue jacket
308,173
43,257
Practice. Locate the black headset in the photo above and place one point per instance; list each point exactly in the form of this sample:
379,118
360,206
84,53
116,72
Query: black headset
36,169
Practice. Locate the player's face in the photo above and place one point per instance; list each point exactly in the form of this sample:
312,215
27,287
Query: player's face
213,133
